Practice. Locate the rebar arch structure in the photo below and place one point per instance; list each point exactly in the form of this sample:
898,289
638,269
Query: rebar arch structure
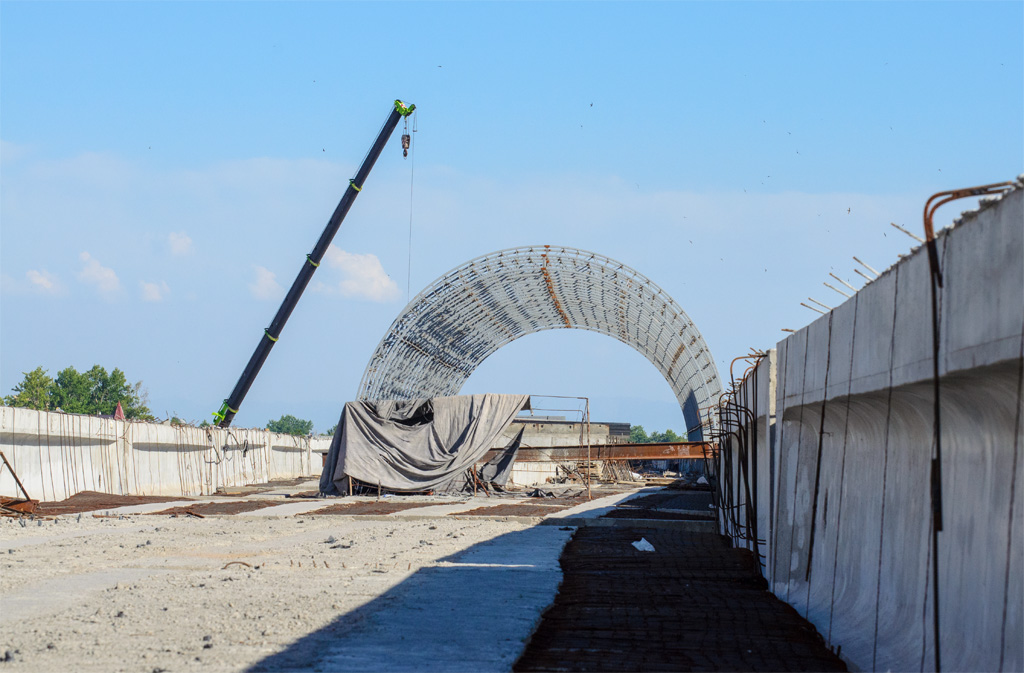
467,314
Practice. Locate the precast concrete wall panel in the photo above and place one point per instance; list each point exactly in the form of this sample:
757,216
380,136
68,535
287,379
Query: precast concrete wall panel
905,541
802,505
819,343
827,490
912,348
827,551
1011,650
792,390
844,319
782,526
812,418
978,480
982,302
758,398
57,455
824,495
872,346
793,427
765,383
855,593
851,538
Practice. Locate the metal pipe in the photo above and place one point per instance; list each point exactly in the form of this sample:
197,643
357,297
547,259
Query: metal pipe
812,308
866,266
832,287
819,303
863,275
842,281
908,233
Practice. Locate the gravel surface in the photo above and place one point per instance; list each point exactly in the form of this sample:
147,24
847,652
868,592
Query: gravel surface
154,593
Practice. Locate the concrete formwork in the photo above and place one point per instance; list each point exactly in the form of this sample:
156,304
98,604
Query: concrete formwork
848,521
57,455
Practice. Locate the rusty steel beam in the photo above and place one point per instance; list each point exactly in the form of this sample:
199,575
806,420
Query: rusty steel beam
18,505
560,454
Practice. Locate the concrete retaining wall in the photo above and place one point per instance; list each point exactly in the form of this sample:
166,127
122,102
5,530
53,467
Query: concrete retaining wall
57,455
540,434
533,474
847,519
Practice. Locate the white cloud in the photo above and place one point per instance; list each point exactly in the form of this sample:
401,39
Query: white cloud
363,276
44,280
94,273
266,285
180,242
154,291
11,152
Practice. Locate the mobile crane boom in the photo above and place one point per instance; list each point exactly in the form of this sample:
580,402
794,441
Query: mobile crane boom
271,334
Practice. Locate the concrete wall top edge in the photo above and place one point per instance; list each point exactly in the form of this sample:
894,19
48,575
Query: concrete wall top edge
883,332
19,425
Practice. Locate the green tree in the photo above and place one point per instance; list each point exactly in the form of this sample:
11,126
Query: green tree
289,425
637,435
667,436
109,390
34,391
330,433
71,392
91,392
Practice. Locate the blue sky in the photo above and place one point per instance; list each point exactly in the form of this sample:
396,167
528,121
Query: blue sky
166,167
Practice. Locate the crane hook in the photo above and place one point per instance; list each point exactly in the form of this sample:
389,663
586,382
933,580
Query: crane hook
405,144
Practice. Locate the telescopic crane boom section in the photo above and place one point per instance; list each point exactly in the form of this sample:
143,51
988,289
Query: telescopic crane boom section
227,411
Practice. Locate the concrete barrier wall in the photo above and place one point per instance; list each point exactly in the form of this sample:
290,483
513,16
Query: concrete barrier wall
543,434
57,455
533,474
848,519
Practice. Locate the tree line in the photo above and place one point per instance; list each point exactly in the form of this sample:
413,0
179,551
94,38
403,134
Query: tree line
97,392
92,392
637,435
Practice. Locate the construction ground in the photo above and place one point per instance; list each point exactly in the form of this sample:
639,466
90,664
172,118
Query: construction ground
866,471
269,578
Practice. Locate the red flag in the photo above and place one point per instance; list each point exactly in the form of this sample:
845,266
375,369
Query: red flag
119,412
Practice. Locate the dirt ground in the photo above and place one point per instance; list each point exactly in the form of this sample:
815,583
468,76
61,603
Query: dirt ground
161,593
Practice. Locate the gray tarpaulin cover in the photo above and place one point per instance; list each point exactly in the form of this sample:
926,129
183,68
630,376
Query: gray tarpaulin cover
495,472
415,445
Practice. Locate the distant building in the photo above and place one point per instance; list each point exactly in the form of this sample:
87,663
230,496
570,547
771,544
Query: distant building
543,431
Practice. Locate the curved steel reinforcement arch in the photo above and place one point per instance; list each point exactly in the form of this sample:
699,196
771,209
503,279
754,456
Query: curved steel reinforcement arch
464,316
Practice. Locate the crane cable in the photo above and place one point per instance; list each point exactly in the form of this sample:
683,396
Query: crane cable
407,140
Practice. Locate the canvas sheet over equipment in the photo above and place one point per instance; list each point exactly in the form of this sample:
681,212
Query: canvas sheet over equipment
415,445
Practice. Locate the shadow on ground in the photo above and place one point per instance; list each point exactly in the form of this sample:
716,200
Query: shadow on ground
473,611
